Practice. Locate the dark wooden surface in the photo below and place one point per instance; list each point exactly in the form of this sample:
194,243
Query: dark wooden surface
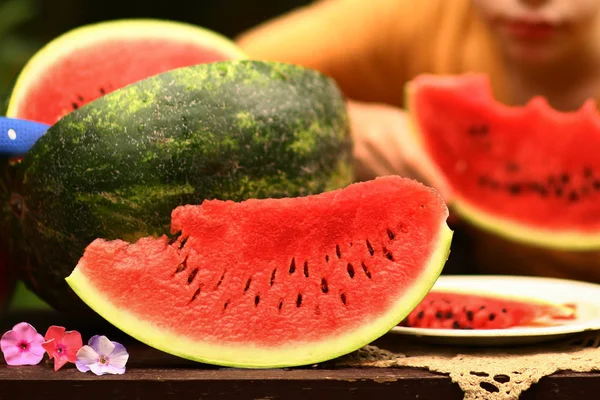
155,375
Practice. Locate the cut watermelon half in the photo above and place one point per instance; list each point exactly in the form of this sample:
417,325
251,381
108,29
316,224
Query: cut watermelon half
468,309
274,282
530,173
90,61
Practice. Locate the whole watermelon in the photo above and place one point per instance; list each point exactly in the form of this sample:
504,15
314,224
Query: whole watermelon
118,166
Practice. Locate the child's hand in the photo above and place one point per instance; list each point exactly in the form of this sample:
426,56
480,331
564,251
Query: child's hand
379,132
383,144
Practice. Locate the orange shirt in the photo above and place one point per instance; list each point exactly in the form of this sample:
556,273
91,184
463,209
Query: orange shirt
373,47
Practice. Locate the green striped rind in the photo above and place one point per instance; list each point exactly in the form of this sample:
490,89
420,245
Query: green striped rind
247,356
118,166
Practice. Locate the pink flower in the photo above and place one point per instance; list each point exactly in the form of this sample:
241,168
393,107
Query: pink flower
102,356
22,345
62,345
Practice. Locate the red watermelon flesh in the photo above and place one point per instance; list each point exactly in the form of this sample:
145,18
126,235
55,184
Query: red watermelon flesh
94,60
456,310
273,282
530,173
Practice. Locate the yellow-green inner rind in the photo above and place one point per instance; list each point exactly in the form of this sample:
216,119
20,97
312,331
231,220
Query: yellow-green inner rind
558,240
100,32
246,356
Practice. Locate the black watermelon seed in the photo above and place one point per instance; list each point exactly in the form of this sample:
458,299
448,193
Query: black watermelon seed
366,270
573,196
514,188
455,325
492,316
192,275
343,298
196,293
324,287
350,270
370,248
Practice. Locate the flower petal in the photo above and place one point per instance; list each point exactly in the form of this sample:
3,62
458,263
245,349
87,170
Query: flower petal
35,346
118,358
93,342
105,346
82,367
55,332
25,332
12,355
19,357
85,357
59,362
50,347
73,342
101,369
9,339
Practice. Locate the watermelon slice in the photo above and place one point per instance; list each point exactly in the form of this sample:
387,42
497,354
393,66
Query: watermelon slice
90,61
452,309
273,282
527,173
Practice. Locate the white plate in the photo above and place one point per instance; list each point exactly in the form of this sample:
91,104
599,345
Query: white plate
585,295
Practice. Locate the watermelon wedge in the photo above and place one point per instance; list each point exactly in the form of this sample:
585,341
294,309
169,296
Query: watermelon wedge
273,282
92,60
530,174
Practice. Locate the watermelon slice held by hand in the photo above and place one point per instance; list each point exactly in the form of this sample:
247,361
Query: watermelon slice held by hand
447,309
274,282
92,60
530,174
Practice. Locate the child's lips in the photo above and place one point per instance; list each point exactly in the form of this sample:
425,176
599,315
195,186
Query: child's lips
529,29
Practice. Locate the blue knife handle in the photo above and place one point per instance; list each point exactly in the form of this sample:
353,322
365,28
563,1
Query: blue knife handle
17,136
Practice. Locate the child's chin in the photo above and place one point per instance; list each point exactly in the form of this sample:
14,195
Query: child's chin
535,53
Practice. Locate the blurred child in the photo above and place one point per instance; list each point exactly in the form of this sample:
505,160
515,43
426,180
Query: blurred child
373,47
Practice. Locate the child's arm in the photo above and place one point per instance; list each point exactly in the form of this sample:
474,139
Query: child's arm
360,43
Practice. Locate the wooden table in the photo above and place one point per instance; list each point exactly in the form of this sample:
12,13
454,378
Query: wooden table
154,375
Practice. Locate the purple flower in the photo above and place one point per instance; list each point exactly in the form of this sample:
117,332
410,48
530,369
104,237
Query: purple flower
22,345
102,356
